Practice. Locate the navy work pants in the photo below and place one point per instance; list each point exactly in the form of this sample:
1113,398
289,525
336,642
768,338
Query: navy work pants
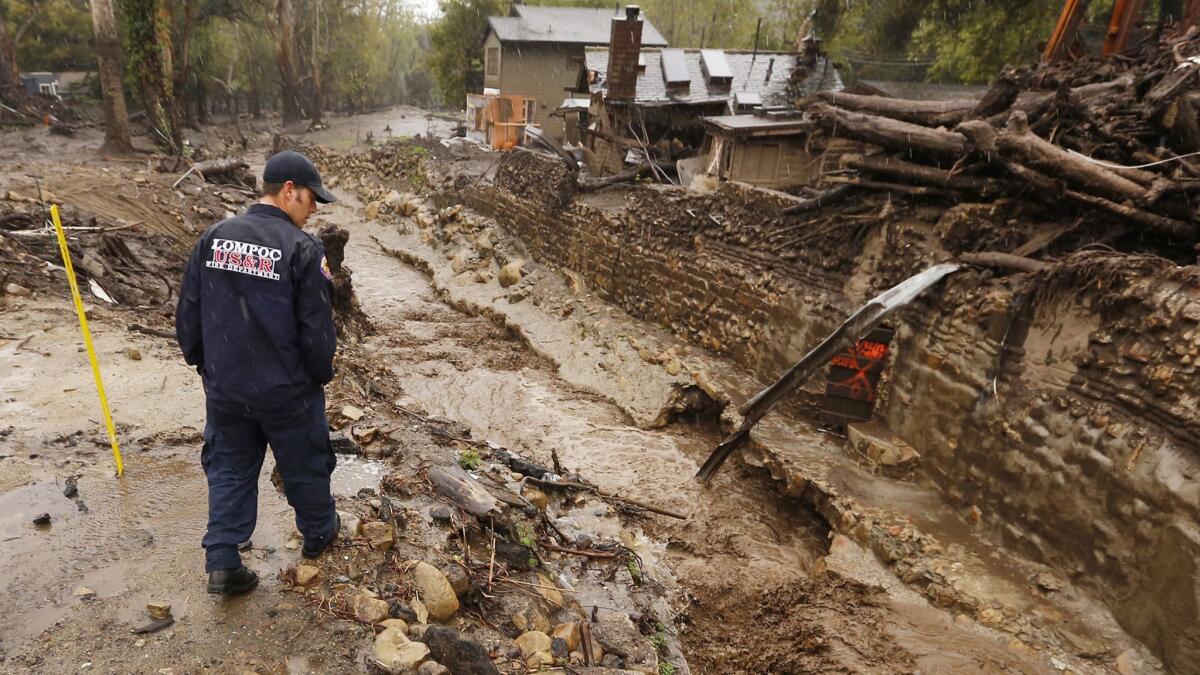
235,444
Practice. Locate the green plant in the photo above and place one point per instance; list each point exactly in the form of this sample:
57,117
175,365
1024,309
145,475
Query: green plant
666,668
469,460
635,570
659,640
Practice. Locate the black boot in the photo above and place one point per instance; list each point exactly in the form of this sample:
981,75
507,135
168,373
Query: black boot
232,582
313,548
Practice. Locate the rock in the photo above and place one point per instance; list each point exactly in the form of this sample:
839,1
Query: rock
441,514
343,444
17,291
436,591
433,668
134,354
459,581
42,519
378,534
531,619
372,210
84,592
532,642
70,490
618,635
548,590
306,574
558,649
399,624
396,653
536,497
364,434
352,413
458,653
1127,662
370,610
398,610
511,273
570,633
159,610
393,198
1046,582
536,661
673,367
461,261
350,524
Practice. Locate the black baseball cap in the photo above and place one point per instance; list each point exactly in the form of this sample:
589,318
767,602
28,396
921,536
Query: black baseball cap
293,166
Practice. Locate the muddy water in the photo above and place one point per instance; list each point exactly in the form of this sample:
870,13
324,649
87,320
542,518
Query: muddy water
462,368
137,540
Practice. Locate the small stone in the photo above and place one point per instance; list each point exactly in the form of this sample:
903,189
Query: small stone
974,515
378,534
306,575
570,633
396,653
459,581
1127,662
441,514
84,592
70,490
365,434
511,273
140,642
159,610
1046,582
351,412
41,519
398,610
536,497
16,290
433,668
673,367
370,610
372,210
549,591
134,354
531,618
342,444
399,624
457,652
532,642
558,648
350,524
436,591
393,198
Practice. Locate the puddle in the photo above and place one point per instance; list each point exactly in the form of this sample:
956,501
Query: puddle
354,473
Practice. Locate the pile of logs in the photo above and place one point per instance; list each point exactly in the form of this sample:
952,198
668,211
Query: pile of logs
1121,137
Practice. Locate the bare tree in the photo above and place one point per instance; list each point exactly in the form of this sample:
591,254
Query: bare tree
108,54
285,60
318,100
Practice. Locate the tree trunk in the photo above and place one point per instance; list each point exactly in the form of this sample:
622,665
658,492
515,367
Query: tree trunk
889,133
928,175
11,90
108,55
150,24
318,102
285,61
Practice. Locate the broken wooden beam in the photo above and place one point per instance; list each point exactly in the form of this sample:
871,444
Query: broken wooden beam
923,174
826,198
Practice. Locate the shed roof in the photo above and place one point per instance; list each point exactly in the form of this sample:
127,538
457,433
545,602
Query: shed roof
565,25
768,74
751,125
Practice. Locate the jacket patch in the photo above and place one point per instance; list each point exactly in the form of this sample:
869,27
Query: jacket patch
325,268
238,256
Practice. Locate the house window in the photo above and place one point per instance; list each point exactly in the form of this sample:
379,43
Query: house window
530,107
493,61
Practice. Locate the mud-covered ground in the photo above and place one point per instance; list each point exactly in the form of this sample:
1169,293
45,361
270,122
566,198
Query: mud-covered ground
747,581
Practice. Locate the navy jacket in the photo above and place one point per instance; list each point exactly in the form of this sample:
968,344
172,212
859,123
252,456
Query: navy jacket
254,313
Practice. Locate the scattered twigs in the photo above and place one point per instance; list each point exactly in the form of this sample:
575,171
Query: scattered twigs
603,555
138,328
572,485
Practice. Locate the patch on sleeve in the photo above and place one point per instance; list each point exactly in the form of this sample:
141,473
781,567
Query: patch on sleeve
325,268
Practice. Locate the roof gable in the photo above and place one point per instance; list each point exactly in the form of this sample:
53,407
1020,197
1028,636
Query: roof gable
565,25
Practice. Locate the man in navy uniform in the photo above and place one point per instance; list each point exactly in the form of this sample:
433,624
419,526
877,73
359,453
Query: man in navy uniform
255,318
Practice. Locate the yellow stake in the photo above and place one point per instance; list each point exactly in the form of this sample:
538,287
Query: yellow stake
87,336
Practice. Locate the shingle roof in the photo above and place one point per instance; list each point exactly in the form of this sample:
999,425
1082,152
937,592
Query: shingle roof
571,25
768,74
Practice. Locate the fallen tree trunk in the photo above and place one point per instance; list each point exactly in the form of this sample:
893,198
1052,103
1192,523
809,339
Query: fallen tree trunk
925,113
1161,224
827,198
217,167
890,133
1017,142
924,174
914,190
593,184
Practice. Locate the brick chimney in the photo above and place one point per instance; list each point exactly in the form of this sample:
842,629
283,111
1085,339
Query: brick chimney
624,48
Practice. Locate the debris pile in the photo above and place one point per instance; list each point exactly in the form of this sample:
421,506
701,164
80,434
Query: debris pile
1110,138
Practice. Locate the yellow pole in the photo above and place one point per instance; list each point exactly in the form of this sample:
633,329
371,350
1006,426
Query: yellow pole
87,336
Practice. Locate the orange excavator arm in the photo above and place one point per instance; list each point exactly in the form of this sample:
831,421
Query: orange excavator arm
1064,41
1124,17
